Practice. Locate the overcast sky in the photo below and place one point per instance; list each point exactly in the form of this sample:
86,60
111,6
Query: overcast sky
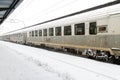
34,11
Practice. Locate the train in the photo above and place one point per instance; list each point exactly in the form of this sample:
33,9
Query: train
95,33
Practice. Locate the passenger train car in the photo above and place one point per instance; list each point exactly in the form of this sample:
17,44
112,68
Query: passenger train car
96,33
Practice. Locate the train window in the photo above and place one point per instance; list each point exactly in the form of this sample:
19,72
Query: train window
102,29
36,33
67,30
93,28
32,33
51,32
40,32
44,32
58,31
80,29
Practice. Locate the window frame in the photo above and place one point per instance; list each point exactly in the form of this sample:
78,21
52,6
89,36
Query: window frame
66,30
33,34
79,26
44,32
39,32
94,32
51,33
36,33
56,29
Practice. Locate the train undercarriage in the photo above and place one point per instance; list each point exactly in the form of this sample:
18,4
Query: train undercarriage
102,55
97,53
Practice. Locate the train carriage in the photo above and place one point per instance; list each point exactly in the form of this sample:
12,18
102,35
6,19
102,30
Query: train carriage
95,33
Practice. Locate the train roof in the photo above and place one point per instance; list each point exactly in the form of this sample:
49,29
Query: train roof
6,7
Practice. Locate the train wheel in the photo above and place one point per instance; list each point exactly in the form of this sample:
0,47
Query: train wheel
87,54
112,59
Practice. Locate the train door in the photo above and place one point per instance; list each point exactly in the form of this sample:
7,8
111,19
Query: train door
24,38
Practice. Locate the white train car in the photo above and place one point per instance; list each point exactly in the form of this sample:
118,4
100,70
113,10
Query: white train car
96,32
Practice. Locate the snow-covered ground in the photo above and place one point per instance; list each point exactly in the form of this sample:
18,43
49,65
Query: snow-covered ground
28,63
13,66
